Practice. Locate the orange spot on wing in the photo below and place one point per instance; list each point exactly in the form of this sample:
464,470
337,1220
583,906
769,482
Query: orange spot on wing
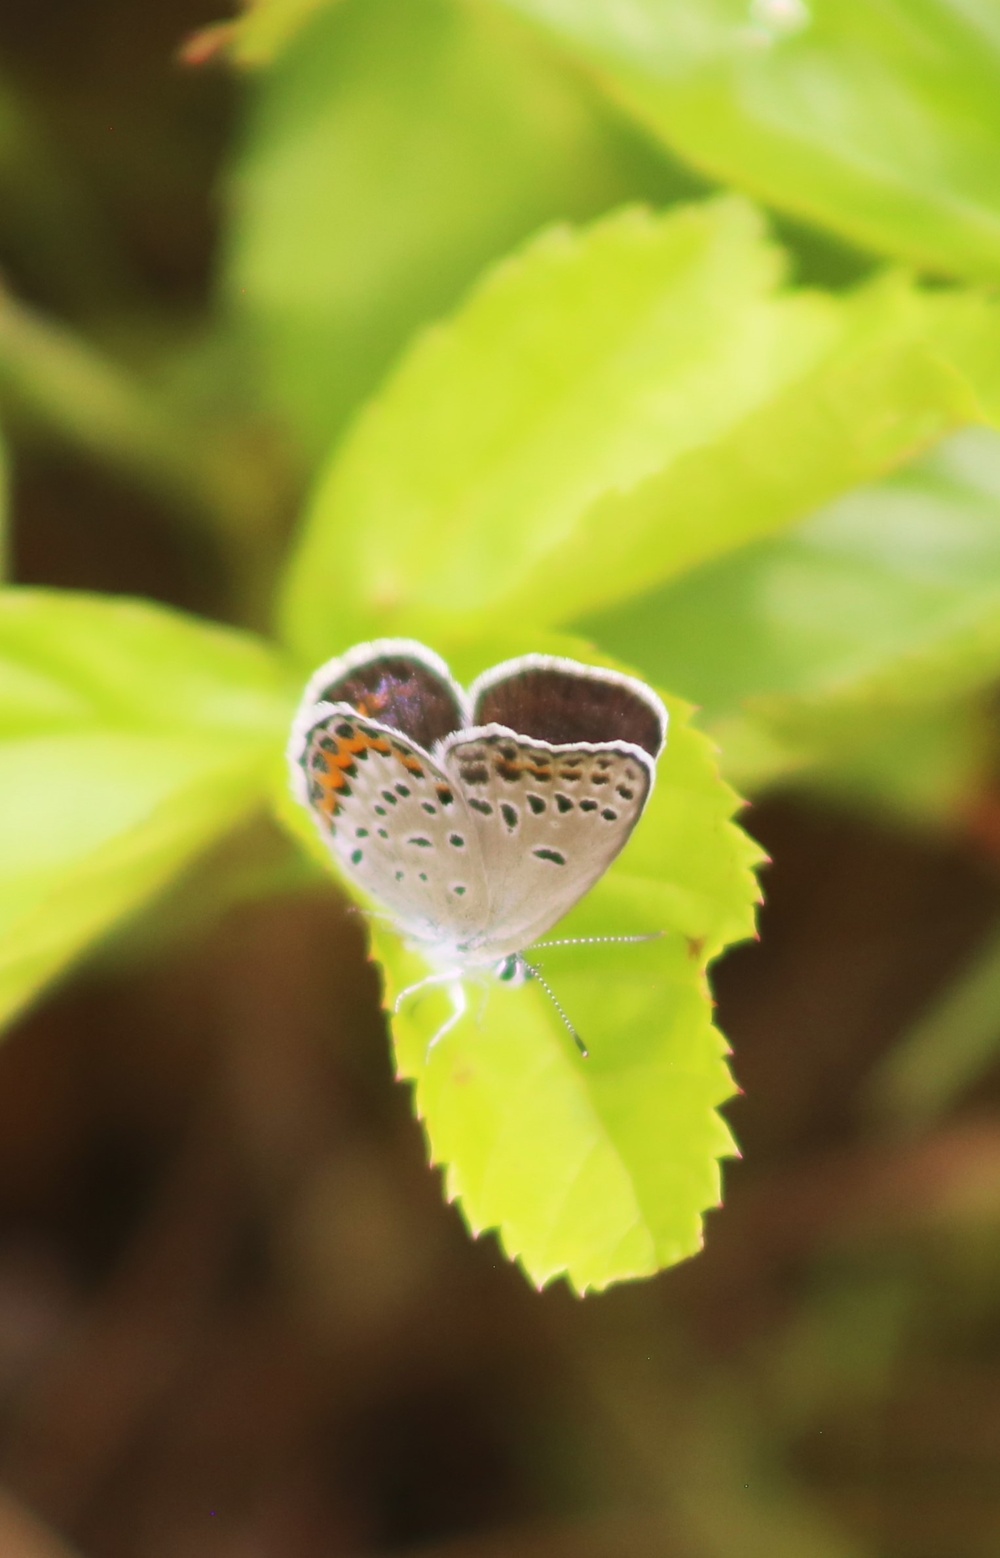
337,765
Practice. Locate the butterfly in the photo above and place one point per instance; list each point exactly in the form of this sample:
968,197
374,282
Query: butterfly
476,818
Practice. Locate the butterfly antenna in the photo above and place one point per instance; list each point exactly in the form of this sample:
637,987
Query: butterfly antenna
584,1051
591,941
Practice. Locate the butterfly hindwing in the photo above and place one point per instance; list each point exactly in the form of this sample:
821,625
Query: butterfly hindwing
549,820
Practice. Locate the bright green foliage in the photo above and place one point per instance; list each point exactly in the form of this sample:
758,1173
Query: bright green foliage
881,122
857,632
575,369
880,390
268,26
608,409
963,328
639,430
130,738
395,149
599,1168
889,572
4,500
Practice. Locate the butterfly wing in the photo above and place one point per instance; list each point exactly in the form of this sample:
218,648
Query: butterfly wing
396,821
481,847
569,704
549,820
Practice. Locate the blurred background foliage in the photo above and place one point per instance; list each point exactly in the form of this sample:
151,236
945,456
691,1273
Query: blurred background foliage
234,1317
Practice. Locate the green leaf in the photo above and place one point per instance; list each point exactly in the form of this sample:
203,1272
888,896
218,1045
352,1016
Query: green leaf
881,122
599,1169
609,408
841,647
897,569
130,738
884,388
578,367
267,27
395,148
4,504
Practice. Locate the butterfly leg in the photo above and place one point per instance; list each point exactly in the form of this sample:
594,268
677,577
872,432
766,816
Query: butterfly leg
456,989
422,984
459,1008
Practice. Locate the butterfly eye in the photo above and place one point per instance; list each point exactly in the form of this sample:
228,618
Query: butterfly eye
509,969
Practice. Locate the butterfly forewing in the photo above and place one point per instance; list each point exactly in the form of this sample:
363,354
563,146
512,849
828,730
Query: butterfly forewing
549,820
398,823
566,704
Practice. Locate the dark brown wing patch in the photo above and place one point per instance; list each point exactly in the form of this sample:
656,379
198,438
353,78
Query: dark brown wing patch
550,704
400,691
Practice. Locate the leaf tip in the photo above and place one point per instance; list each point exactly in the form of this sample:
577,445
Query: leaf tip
208,45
